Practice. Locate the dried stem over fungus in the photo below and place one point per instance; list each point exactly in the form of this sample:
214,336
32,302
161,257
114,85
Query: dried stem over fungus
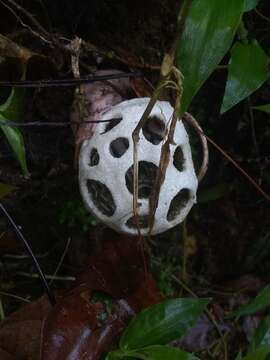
167,72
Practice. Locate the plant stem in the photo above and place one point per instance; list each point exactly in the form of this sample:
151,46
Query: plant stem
31,254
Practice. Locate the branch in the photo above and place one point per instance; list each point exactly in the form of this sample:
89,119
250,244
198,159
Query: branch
36,34
11,123
67,82
30,17
192,121
31,254
231,160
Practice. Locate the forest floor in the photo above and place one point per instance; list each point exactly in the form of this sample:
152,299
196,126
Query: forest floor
222,250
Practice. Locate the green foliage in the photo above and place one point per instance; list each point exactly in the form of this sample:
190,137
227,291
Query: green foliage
148,333
262,353
101,297
164,268
74,215
160,352
261,301
261,335
248,70
208,34
264,108
12,110
5,189
162,323
251,4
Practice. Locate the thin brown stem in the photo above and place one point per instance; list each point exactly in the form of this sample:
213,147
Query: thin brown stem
56,82
204,166
231,160
26,26
30,17
262,16
254,138
208,313
41,275
11,123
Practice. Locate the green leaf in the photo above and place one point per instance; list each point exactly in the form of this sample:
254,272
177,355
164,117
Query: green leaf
261,353
265,108
261,335
162,352
16,142
162,323
261,301
5,189
12,109
118,354
248,70
208,34
251,4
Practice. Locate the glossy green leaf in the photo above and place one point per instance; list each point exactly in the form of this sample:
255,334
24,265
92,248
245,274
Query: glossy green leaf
162,323
162,352
5,189
264,108
261,301
251,4
248,70
12,109
262,353
208,34
261,335
16,142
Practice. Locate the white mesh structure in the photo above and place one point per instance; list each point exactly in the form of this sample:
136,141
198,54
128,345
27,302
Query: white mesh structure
106,169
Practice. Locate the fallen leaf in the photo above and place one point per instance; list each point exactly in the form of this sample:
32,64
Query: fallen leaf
20,333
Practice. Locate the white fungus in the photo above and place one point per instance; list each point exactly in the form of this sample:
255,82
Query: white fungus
106,169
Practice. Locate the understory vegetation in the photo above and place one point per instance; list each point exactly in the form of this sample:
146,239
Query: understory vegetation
72,288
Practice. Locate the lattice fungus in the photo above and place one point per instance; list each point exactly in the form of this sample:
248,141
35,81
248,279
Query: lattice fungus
106,169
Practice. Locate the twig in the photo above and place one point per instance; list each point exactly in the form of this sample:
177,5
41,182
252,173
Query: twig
165,151
113,56
68,82
36,34
48,277
166,71
208,313
230,159
253,134
3,293
262,16
11,123
192,121
61,260
169,70
31,254
30,17
136,138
